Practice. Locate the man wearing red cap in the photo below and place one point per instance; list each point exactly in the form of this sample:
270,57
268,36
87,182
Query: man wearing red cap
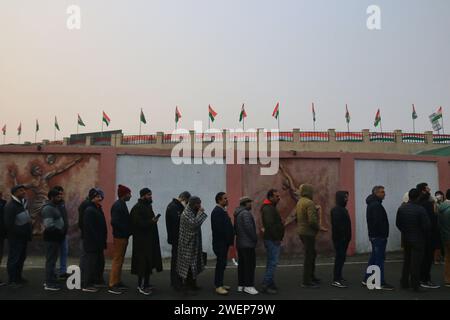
120,222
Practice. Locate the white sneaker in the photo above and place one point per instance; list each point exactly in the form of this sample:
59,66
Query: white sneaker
240,289
251,290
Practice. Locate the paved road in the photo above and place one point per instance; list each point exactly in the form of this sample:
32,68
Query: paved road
288,279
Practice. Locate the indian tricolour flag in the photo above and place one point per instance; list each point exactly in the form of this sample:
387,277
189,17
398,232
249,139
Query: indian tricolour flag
276,111
414,113
243,114
57,124
437,115
212,114
347,114
377,118
80,121
177,114
4,130
106,119
19,129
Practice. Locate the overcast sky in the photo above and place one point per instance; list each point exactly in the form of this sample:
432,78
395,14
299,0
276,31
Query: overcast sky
156,54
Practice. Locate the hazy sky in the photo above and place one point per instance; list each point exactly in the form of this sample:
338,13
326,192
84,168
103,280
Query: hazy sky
157,54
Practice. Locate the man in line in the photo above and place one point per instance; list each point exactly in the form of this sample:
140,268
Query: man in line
19,231
432,239
81,208
64,251
54,235
273,235
378,228
308,228
190,258
414,224
173,214
223,238
94,242
341,235
121,225
246,240
444,228
2,230
146,255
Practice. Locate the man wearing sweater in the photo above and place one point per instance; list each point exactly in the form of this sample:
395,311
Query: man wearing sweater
273,235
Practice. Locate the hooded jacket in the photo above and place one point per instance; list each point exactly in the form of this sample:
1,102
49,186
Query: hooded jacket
307,217
340,220
245,227
2,220
377,219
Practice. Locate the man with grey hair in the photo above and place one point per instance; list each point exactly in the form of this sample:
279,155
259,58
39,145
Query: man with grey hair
378,227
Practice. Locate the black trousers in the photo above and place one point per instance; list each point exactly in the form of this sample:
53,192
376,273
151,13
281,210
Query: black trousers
309,243
246,267
16,258
427,262
52,250
175,280
221,252
94,264
2,246
340,248
413,258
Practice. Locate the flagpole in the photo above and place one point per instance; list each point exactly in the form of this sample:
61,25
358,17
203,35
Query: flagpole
243,123
443,131
348,127
54,133
414,125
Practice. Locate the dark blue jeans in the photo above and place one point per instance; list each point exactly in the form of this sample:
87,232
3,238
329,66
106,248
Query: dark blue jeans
377,256
273,249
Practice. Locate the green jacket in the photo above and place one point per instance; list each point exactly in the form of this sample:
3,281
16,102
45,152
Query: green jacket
307,216
444,220
271,221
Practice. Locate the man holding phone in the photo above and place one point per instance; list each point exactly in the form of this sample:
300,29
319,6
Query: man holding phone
146,254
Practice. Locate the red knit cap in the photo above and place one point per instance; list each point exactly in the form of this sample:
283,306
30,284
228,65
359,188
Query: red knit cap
122,190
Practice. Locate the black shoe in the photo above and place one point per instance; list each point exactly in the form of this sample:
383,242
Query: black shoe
316,280
429,285
23,281
2,284
115,290
338,284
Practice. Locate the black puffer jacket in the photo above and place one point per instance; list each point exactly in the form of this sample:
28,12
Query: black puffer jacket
377,219
340,219
413,222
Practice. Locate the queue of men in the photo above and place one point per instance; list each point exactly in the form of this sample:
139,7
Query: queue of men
423,221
